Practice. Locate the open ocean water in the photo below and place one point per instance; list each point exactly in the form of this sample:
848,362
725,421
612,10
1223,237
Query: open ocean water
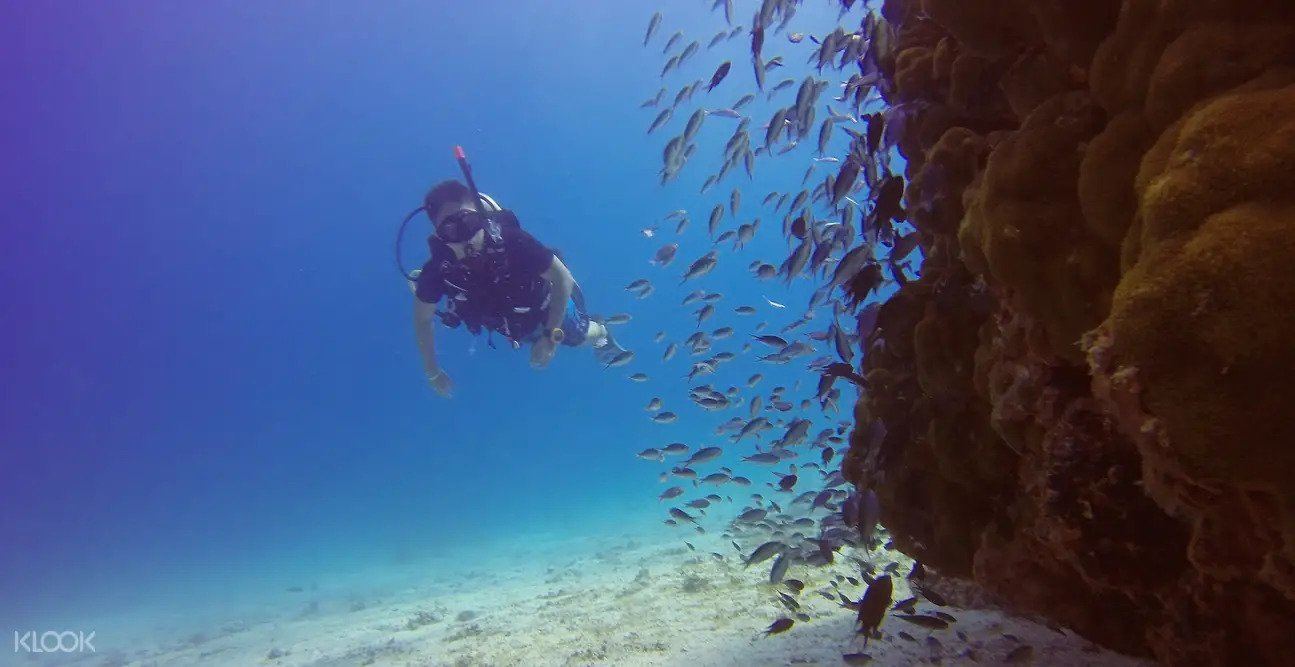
212,400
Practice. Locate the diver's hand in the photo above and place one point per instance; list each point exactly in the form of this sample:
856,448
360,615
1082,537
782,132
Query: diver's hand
542,352
440,382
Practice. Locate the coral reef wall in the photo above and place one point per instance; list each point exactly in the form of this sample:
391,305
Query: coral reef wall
1088,398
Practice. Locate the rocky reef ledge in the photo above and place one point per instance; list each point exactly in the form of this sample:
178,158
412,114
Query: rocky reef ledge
1087,402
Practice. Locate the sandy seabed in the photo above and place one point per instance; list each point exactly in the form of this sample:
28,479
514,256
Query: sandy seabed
639,598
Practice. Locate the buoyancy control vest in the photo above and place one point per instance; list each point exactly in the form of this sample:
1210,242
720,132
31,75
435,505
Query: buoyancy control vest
481,292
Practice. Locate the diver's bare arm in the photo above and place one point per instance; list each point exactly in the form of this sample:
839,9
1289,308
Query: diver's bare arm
560,276
423,313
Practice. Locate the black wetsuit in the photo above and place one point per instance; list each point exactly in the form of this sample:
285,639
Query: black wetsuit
500,290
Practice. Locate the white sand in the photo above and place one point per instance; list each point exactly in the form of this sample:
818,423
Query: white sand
629,599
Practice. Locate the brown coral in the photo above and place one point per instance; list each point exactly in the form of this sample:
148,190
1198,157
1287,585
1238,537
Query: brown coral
1087,396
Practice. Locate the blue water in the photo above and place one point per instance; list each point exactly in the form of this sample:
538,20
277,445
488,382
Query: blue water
210,385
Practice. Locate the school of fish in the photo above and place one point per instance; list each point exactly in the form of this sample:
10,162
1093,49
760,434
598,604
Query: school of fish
845,230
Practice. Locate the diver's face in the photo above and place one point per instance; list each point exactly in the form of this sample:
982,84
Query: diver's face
471,247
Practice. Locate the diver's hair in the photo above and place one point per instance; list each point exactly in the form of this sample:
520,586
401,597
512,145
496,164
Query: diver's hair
446,192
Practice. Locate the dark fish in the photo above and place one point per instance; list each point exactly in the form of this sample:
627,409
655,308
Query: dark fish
924,620
620,359
764,552
654,100
700,267
845,179
716,215
674,39
715,478
781,625
842,344
779,568
665,254
661,119
689,51
856,658
682,515
762,458
718,76
672,492
934,598
704,312
906,605
796,585
669,65
703,455
694,124
872,608
664,417
771,341
653,24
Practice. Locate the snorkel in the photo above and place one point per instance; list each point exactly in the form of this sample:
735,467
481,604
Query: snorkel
466,168
477,202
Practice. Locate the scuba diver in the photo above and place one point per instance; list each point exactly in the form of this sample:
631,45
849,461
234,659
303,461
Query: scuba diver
493,275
